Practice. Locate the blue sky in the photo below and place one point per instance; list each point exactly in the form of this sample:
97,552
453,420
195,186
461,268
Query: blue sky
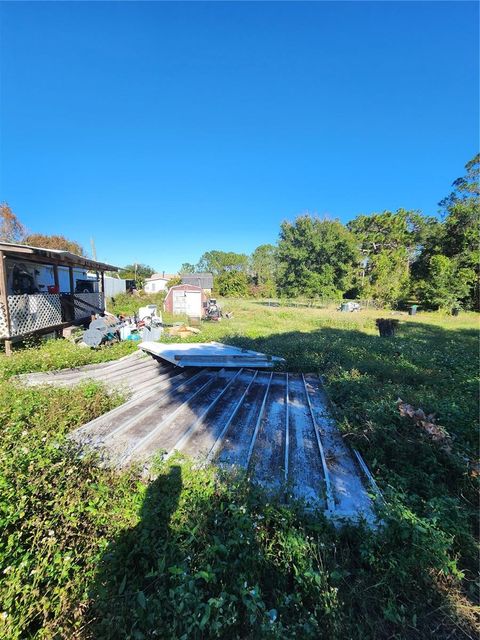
167,129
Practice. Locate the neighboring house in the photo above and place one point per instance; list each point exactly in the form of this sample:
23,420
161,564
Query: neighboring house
202,280
185,299
157,282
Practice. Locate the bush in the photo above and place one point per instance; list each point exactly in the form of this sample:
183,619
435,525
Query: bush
232,284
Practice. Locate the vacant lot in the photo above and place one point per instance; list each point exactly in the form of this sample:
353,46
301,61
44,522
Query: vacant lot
87,553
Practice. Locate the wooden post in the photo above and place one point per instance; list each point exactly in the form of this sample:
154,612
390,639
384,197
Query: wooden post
102,288
4,300
55,277
72,292
72,284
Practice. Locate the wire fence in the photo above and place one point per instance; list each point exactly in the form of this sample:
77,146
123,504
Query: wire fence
314,303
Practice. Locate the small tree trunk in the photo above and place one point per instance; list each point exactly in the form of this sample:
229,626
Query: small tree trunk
386,327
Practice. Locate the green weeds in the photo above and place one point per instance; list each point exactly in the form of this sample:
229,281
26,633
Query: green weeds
86,553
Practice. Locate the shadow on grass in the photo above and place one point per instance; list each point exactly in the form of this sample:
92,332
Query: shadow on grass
134,564
203,563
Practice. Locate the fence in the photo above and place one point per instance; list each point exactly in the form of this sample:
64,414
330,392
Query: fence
312,303
34,312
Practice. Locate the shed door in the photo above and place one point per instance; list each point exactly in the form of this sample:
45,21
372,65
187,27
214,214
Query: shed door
187,302
194,303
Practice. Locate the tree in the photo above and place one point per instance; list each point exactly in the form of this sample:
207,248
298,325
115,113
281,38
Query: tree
447,284
218,261
137,272
263,267
232,284
388,279
187,267
461,237
54,242
173,282
316,258
11,229
390,243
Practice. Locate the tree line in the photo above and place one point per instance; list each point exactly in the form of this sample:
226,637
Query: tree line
391,257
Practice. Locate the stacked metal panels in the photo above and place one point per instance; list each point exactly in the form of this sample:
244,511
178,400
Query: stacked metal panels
209,354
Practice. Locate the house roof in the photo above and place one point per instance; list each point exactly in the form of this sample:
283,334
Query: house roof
204,280
57,256
161,276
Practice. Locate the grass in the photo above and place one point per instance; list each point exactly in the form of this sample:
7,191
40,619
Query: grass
86,553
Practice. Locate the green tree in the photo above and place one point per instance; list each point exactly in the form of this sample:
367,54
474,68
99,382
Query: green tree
388,278
447,284
316,258
174,281
390,243
263,268
137,272
218,261
461,237
232,284
187,267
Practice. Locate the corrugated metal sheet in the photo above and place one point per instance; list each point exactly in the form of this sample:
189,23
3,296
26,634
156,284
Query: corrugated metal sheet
209,354
276,426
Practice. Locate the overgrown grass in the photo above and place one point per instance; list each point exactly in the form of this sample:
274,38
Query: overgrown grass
86,553
51,355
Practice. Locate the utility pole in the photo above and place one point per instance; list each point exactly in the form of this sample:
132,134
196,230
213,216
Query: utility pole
94,251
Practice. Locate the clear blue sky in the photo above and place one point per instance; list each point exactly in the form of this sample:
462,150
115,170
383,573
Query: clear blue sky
167,129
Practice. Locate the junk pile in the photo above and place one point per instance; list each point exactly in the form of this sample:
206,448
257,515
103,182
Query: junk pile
213,311
102,330
107,328
349,307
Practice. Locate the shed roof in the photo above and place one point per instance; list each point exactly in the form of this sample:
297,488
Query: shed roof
57,256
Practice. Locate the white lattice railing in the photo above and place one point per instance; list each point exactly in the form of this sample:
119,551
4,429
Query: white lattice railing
88,303
30,312
3,322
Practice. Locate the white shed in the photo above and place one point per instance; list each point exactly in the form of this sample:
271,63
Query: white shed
185,299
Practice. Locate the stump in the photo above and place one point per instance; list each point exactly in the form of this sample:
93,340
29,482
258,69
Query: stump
386,327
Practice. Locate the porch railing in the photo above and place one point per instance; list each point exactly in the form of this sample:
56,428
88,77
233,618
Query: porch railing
33,312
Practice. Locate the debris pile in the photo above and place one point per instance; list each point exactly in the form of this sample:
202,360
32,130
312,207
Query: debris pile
107,328
426,422
182,330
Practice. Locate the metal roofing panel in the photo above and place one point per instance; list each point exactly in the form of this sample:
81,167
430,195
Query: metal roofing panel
276,426
209,354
